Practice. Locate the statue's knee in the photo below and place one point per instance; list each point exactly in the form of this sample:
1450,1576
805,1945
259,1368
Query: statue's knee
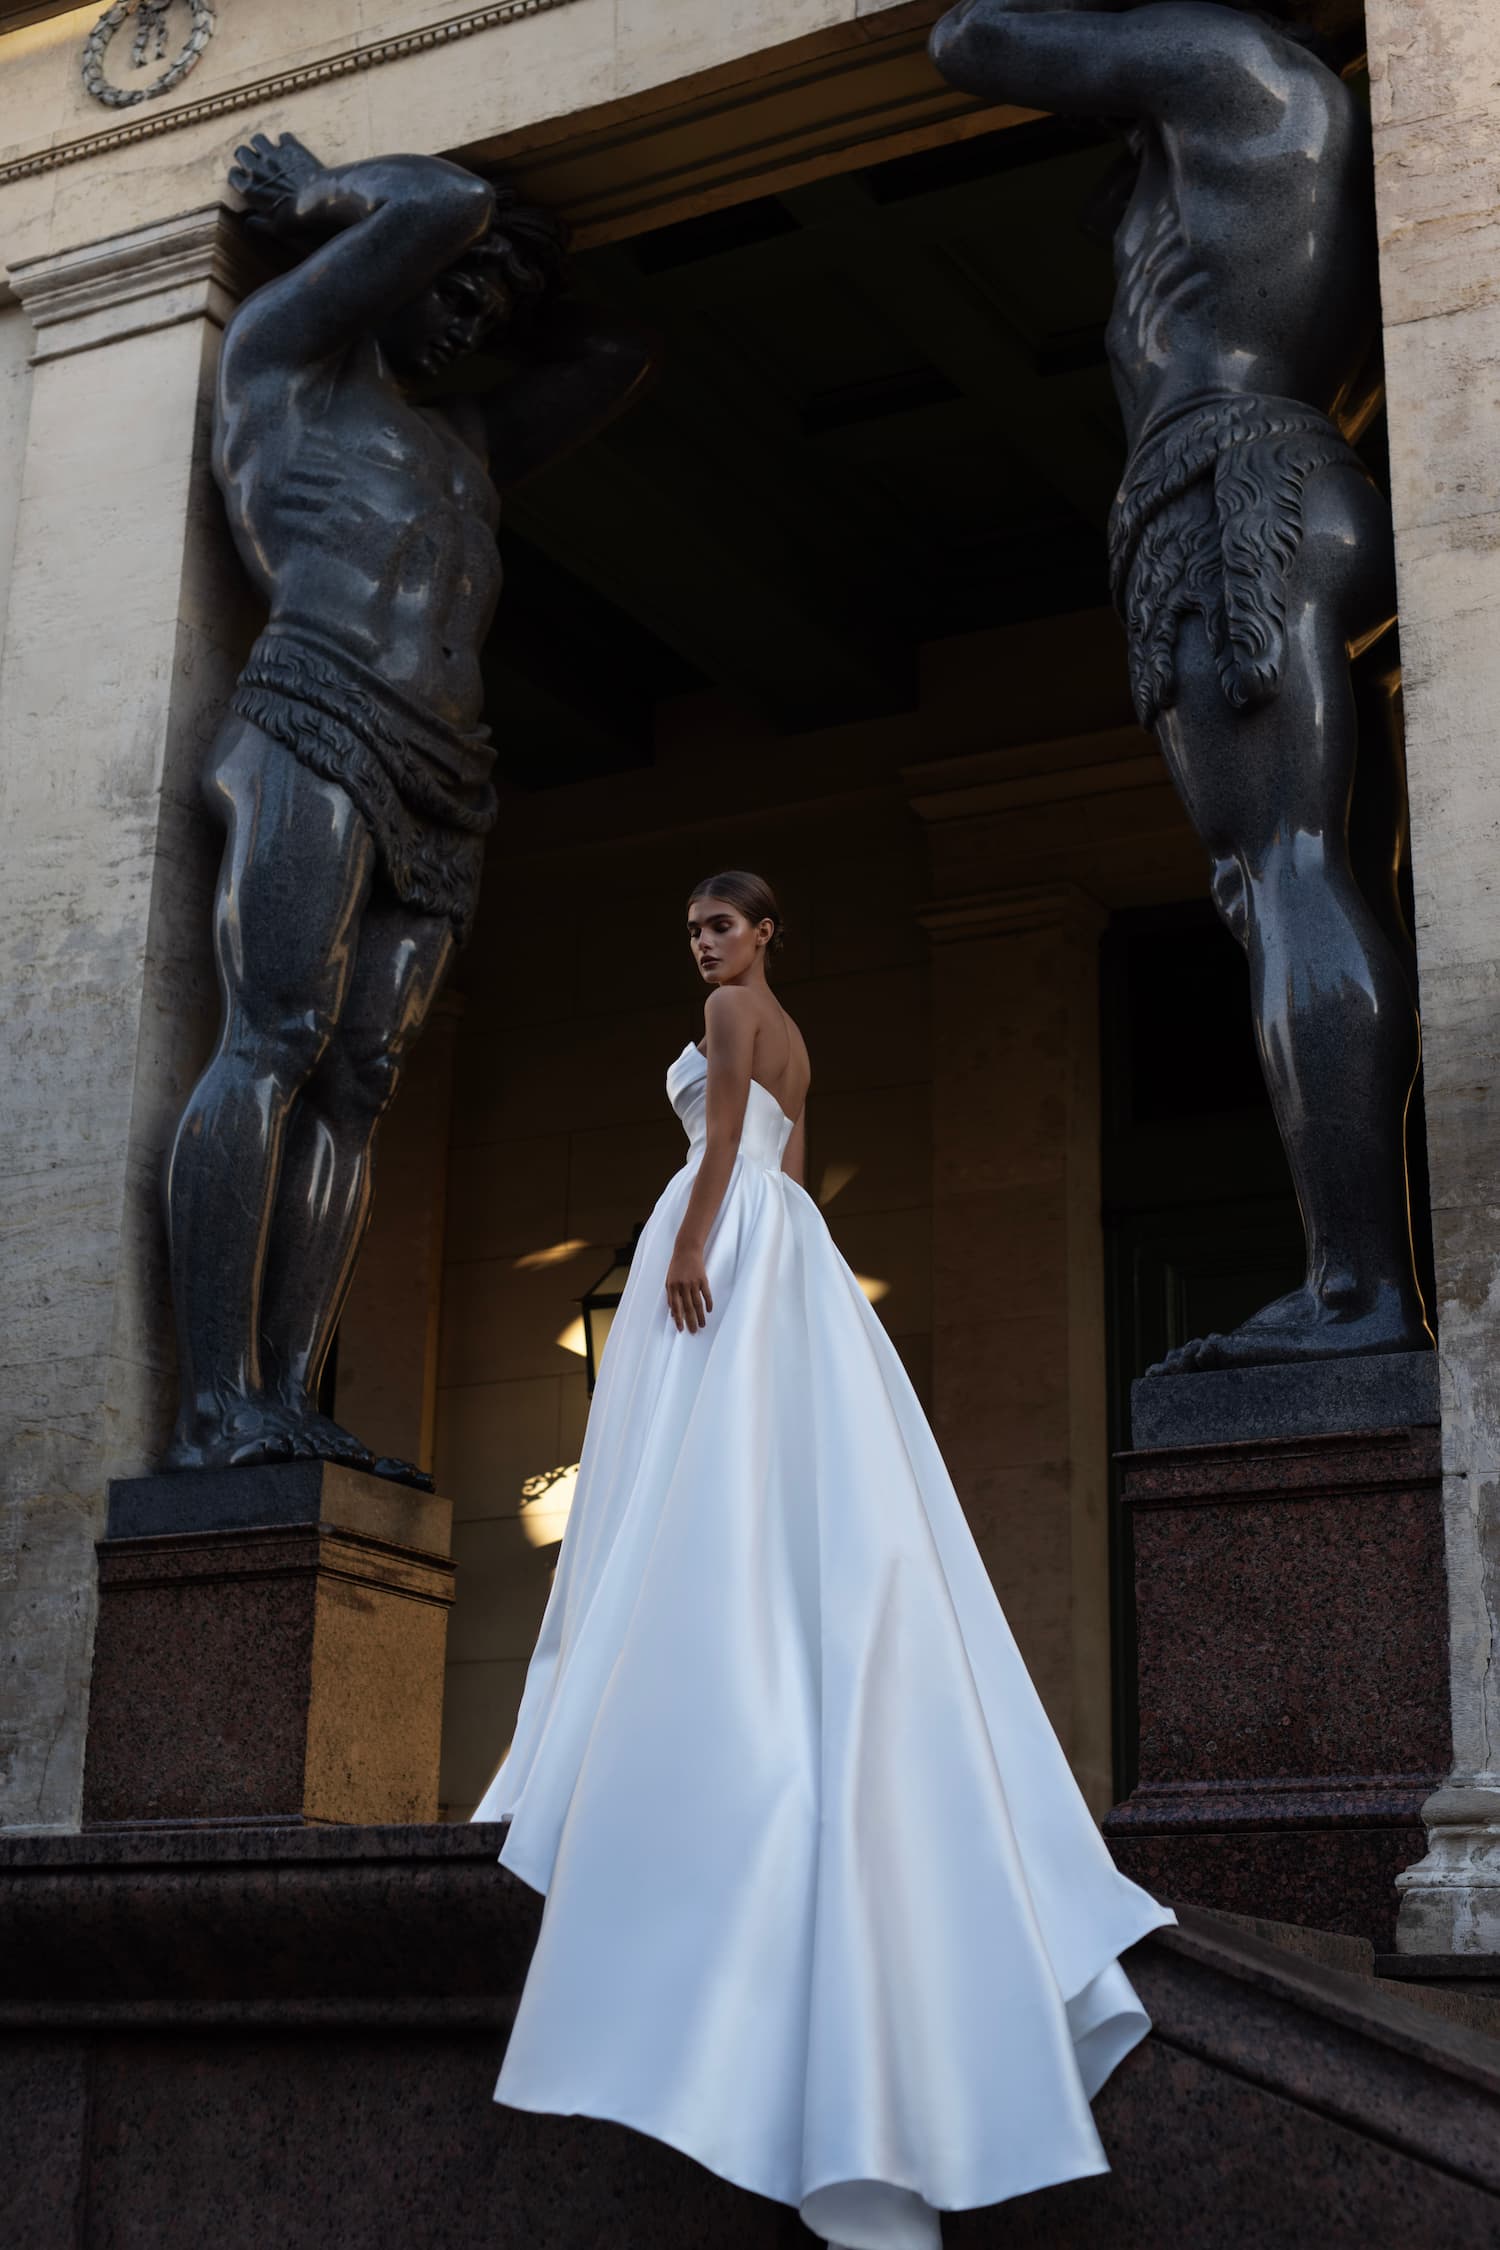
361,1075
285,1044
1230,897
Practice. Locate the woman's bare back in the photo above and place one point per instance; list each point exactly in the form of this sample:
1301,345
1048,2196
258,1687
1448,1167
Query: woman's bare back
780,1060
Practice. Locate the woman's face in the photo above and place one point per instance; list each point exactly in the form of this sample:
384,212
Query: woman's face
724,943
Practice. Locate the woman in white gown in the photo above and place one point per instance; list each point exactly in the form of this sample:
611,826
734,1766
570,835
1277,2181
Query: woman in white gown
824,1907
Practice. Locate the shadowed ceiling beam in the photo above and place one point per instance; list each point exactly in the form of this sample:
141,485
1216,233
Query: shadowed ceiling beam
682,542
948,314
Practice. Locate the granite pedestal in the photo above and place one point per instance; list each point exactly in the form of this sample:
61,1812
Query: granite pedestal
1292,1632
1320,1398
270,1649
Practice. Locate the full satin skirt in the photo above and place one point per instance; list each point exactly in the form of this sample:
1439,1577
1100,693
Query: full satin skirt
825,1908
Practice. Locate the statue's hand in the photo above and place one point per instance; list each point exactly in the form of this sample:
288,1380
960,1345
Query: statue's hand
281,181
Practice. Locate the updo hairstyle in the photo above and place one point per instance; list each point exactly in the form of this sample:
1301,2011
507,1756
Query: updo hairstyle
751,895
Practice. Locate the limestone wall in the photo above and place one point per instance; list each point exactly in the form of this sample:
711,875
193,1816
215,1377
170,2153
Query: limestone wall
357,77
127,618
1436,71
15,406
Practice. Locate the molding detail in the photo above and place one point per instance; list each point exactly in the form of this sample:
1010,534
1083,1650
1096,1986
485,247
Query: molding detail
989,914
342,65
1040,773
151,22
1450,1900
195,267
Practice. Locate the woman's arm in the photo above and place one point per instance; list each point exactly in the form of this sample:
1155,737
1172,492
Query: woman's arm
729,1021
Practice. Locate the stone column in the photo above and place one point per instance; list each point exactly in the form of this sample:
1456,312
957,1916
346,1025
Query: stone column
128,618
1019,1403
1436,75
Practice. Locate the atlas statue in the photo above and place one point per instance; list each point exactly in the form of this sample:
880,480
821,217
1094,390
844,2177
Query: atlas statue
353,772
1252,562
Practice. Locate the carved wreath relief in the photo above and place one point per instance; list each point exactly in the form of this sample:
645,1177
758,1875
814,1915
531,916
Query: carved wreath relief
149,43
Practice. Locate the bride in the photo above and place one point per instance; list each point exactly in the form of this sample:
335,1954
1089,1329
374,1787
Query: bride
825,1909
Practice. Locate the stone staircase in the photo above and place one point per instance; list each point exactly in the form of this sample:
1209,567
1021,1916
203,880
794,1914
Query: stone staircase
290,2037
1289,2096
1462,1988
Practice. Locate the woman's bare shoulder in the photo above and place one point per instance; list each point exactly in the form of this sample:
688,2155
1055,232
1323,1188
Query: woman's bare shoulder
730,1003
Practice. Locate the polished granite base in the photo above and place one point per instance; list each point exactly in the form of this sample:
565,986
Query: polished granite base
1378,1391
1292,1670
292,2038
269,1649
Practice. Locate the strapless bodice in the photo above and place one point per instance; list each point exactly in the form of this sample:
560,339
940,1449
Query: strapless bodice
765,1132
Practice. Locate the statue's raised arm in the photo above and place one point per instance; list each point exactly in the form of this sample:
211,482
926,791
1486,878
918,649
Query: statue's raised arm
1090,58
373,235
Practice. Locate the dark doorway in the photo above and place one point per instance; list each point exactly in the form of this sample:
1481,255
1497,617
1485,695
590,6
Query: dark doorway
883,417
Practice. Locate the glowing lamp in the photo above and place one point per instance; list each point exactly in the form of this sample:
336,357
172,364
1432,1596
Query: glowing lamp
599,1305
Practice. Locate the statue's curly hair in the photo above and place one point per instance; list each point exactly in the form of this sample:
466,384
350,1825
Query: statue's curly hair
525,247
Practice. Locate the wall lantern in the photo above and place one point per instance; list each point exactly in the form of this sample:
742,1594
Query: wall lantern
599,1305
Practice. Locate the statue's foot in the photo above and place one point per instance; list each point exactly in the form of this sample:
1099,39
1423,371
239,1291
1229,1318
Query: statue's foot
403,1472
335,1443
1304,1326
255,1433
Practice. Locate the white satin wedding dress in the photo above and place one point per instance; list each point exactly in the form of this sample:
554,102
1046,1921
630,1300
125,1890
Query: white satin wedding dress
825,1909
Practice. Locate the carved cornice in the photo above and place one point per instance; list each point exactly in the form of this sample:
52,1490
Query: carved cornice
16,14
1000,781
195,267
342,65
1013,913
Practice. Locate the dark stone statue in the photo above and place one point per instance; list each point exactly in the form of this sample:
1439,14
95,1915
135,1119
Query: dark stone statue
1252,563
353,774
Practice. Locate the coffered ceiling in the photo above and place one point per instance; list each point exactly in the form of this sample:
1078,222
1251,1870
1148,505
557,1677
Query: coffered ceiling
884,417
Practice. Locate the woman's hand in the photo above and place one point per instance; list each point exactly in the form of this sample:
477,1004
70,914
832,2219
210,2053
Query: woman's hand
688,1298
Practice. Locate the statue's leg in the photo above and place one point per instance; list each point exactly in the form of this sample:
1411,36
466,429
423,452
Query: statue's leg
327,1176
1269,792
293,885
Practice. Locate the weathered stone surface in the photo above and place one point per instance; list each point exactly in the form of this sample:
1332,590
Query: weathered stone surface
1436,72
356,76
126,612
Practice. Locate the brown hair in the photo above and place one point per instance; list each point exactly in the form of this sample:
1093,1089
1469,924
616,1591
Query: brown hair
751,895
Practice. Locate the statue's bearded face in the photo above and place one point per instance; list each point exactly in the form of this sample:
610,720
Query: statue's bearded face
449,319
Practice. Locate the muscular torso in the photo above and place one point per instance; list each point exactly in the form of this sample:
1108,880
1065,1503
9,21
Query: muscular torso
1246,257
364,519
